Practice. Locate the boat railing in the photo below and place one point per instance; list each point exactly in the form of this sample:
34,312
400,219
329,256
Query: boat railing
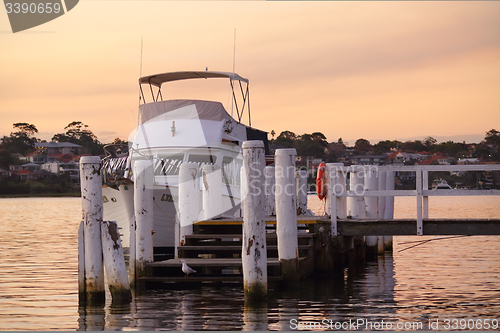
116,164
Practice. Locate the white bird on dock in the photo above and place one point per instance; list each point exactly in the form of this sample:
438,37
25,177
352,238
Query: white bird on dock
186,269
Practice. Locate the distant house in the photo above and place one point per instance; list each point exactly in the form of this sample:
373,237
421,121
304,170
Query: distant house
24,174
5,173
71,168
368,159
59,148
36,157
437,158
465,161
28,166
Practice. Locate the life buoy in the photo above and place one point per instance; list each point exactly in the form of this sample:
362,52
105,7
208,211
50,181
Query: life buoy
320,189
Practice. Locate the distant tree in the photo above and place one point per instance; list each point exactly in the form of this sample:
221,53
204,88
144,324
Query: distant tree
311,145
118,141
492,137
362,146
385,146
273,133
78,133
450,148
429,142
7,159
286,139
416,146
22,140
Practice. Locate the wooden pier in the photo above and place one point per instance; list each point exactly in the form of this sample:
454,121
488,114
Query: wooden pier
214,249
258,250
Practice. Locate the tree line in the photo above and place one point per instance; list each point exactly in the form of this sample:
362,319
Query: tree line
23,138
316,145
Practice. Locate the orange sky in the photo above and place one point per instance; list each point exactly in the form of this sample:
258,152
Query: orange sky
376,70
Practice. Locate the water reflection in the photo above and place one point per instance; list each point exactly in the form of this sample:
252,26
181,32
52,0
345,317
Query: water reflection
440,279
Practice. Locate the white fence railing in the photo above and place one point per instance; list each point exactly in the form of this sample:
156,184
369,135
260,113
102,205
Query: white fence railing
338,176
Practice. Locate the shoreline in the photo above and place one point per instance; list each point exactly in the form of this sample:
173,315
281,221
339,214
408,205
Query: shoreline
41,195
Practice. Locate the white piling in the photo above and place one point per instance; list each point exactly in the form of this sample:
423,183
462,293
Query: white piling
91,187
211,191
269,189
381,207
114,263
356,185
131,259
189,199
254,248
371,184
81,266
389,206
336,206
143,206
286,217
301,179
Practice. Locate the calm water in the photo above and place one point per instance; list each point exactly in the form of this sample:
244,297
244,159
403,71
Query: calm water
440,280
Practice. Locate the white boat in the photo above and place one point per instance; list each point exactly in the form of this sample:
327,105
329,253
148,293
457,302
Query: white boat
441,184
169,133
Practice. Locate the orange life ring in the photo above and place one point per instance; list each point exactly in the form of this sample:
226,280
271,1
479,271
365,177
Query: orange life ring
320,189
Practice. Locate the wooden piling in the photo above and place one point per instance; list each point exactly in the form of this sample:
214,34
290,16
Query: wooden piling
381,207
371,184
357,211
132,252
254,247
114,263
91,187
389,206
81,266
286,217
269,189
301,179
211,191
143,206
189,199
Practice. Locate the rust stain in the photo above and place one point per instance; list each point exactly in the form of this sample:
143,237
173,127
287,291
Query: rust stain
250,243
113,233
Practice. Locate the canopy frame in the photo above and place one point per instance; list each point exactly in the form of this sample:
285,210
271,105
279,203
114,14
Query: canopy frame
158,80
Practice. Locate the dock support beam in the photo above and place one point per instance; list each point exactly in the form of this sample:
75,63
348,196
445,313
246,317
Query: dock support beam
286,217
301,176
336,206
90,179
381,207
143,206
114,262
254,248
357,211
371,184
389,206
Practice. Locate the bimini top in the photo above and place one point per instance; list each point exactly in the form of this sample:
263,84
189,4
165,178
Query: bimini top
159,79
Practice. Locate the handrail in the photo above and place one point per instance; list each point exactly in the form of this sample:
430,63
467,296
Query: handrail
421,193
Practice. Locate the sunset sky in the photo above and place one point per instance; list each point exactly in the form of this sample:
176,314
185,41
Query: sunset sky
373,70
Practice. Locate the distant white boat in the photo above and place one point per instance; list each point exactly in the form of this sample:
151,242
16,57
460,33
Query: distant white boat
441,184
